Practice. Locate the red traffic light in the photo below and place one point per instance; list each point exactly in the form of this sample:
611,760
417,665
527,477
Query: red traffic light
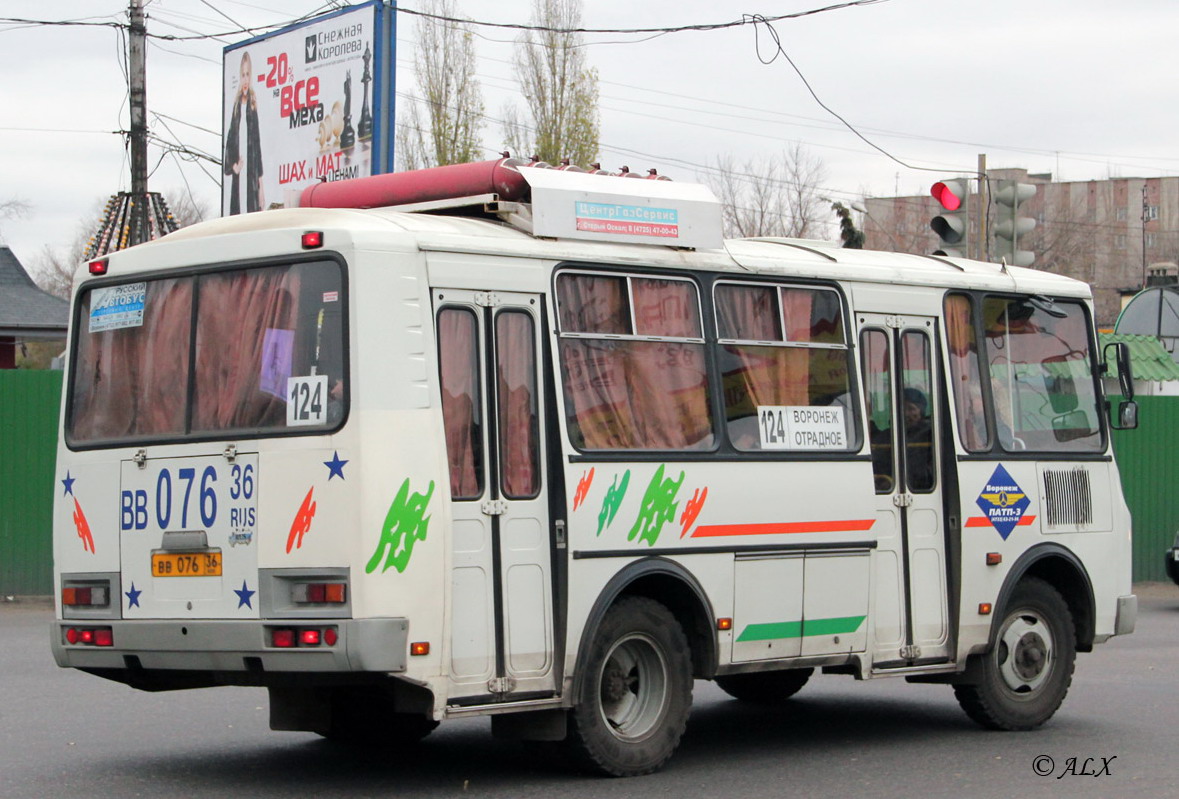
949,193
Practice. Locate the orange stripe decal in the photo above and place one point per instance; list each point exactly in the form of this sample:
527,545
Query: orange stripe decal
783,528
983,521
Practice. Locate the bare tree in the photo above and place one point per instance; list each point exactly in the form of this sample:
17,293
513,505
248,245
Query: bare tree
772,196
186,208
560,90
12,208
445,66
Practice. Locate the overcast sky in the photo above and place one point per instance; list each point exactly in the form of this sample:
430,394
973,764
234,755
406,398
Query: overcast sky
1080,88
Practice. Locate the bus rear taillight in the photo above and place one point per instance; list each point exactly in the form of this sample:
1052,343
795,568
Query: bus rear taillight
90,636
290,637
89,596
319,593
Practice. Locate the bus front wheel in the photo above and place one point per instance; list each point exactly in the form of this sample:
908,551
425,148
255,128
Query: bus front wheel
1027,672
635,694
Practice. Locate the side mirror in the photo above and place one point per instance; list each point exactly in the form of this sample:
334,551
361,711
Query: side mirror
1127,416
1125,370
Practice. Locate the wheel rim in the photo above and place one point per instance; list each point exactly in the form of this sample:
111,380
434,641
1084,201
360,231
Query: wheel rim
1026,652
633,685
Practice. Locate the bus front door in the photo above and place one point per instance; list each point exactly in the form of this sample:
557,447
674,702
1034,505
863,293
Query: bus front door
901,381
501,609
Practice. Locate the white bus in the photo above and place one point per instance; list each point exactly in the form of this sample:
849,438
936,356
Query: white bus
540,445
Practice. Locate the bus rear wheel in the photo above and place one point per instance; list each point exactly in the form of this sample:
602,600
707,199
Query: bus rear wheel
1027,673
767,687
635,694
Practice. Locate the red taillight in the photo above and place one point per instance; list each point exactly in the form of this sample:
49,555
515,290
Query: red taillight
98,267
84,596
93,636
283,638
319,593
309,637
312,239
330,636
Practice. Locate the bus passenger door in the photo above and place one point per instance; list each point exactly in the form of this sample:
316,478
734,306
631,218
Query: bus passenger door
902,385
501,611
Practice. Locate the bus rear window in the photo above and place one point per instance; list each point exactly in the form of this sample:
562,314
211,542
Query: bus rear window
247,352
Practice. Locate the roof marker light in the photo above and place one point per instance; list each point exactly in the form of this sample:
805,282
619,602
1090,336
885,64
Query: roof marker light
98,267
312,240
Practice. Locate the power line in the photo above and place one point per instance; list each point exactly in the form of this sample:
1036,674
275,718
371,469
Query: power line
746,19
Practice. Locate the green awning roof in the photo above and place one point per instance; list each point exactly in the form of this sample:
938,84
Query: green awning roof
1147,356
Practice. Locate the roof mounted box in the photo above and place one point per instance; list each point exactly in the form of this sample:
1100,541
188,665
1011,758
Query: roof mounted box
574,205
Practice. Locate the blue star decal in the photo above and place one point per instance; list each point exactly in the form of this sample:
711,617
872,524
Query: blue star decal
335,466
243,596
132,596
68,482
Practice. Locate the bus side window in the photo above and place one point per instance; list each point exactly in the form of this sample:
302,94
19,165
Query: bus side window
779,346
458,366
965,376
878,391
634,373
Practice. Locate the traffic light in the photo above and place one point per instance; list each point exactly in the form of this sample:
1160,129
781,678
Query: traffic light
952,224
1010,196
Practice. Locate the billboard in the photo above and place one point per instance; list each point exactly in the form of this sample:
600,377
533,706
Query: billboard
310,102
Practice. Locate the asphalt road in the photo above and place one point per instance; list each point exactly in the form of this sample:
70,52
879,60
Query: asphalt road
64,733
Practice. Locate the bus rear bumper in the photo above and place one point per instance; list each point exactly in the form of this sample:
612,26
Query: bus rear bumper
361,645
1127,618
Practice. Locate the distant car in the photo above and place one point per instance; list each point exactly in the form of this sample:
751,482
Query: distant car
1173,561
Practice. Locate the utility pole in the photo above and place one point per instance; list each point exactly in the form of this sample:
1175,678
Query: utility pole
137,60
1144,210
982,246
136,216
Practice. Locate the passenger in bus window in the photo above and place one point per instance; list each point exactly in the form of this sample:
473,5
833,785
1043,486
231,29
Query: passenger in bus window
918,441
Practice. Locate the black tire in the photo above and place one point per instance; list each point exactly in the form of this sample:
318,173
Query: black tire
1027,673
765,687
633,699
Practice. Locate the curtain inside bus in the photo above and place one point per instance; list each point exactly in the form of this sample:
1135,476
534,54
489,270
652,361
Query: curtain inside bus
624,393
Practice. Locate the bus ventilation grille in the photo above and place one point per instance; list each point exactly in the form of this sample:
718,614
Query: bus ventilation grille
1068,498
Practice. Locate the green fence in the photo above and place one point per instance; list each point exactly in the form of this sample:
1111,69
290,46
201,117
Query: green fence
29,402
1147,458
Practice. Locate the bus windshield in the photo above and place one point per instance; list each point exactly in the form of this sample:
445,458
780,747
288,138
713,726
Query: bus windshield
1039,363
244,351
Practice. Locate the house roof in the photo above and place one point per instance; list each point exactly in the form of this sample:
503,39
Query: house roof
1148,358
25,310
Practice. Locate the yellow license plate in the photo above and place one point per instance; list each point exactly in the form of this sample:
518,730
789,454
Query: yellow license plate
186,564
